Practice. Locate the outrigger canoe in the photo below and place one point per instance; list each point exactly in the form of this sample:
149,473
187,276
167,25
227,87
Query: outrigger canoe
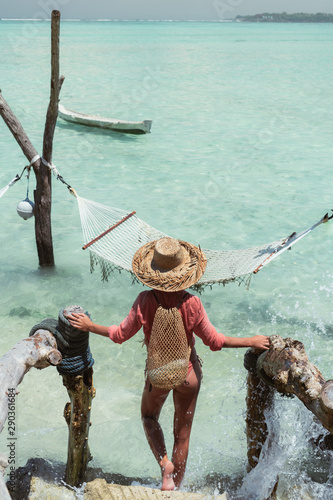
105,123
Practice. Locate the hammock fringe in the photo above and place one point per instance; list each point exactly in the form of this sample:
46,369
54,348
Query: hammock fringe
107,269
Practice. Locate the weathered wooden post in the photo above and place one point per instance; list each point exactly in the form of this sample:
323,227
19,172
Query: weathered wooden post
78,380
43,232
77,373
77,414
259,399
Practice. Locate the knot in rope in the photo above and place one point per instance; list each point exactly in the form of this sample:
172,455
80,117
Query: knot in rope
60,178
72,343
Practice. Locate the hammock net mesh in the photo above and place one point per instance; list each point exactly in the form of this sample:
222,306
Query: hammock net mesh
115,249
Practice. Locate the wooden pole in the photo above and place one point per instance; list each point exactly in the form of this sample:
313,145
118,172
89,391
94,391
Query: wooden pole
77,375
43,187
77,414
259,400
42,199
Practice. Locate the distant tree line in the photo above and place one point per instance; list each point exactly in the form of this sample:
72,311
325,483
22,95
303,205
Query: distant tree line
299,17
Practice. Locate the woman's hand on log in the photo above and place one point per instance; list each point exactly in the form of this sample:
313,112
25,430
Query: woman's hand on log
260,342
80,321
257,342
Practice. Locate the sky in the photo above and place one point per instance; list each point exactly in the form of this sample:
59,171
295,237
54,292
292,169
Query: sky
156,9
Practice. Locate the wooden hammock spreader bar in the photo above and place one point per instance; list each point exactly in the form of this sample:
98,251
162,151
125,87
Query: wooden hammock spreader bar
108,230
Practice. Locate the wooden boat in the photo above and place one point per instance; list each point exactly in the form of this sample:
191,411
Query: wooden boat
105,123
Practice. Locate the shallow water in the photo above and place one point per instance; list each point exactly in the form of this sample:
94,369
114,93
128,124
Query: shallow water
239,155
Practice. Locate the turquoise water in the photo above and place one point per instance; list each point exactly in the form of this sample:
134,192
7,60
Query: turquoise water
240,154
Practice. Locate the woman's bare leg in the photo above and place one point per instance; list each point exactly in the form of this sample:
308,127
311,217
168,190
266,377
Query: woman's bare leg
185,399
151,405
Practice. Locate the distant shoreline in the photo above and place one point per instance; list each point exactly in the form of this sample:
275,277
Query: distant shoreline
266,17
283,17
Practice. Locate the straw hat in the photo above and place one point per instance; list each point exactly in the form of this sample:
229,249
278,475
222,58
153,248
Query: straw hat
168,264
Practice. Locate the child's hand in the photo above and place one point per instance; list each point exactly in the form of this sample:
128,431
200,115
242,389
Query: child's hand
80,321
260,342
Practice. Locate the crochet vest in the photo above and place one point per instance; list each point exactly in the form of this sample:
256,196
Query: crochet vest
168,349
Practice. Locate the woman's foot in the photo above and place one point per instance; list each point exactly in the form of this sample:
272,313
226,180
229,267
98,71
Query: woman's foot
167,468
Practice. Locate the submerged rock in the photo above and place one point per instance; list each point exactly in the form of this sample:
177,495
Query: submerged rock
20,311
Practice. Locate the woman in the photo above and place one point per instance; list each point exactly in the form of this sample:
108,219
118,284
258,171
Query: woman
169,266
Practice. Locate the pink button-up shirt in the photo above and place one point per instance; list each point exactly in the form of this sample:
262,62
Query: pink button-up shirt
191,309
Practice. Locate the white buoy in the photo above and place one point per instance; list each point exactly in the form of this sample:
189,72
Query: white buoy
25,208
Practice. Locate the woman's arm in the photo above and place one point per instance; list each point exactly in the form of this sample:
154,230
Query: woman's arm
117,333
82,322
216,341
257,341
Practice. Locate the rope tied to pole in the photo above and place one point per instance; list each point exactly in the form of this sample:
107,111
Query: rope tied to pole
59,177
28,168
12,182
72,343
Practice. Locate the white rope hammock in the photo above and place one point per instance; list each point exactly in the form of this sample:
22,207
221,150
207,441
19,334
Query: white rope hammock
113,236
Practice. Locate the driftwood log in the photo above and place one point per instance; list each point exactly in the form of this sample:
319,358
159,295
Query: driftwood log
38,351
285,368
43,231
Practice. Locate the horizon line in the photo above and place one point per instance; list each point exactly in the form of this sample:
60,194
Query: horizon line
100,19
